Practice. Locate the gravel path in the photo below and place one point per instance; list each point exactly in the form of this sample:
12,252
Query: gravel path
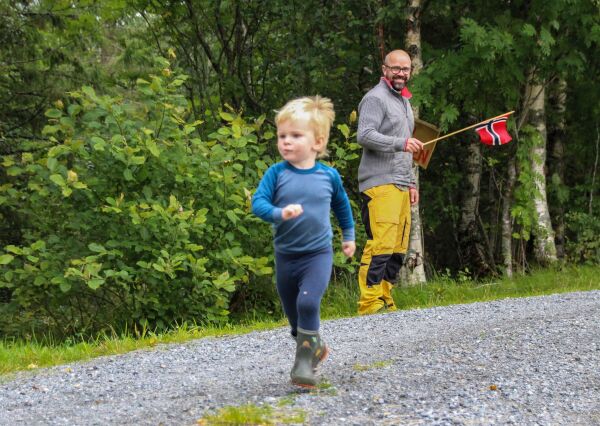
515,361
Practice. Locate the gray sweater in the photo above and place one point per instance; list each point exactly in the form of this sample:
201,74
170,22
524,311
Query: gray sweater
385,122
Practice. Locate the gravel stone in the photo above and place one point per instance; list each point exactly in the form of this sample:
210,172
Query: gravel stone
531,361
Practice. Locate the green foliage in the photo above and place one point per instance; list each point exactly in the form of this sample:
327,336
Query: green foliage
583,238
344,155
49,47
132,216
258,54
486,53
523,210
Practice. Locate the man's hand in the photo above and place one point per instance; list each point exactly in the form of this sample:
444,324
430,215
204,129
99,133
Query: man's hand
291,211
349,247
413,145
414,196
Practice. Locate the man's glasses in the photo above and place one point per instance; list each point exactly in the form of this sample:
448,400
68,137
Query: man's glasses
398,70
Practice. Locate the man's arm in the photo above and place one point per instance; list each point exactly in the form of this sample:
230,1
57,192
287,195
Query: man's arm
370,116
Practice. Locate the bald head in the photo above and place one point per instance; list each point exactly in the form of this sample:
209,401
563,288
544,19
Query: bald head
396,55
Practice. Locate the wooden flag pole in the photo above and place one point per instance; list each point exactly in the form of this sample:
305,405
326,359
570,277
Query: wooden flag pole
466,128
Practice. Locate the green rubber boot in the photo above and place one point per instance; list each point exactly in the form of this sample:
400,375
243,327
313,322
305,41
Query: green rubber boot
310,352
320,354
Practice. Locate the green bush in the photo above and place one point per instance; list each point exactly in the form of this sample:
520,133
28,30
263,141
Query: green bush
583,238
132,217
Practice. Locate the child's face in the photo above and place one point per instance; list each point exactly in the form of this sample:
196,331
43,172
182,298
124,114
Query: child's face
298,144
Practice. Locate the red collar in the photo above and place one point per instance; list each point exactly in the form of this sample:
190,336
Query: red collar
405,93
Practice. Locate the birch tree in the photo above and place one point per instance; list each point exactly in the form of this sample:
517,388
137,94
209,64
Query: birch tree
414,271
556,164
506,218
535,103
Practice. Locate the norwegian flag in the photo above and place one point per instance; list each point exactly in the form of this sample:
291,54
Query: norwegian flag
494,132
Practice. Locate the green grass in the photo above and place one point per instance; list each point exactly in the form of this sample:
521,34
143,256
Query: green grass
253,415
444,292
33,354
340,301
341,297
374,366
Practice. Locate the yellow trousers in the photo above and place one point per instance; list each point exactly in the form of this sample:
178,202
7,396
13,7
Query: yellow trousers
386,217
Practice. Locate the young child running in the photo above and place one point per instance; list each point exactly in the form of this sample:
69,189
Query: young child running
296,196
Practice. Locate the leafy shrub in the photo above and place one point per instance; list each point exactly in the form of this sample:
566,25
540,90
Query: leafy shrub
133,218
583,238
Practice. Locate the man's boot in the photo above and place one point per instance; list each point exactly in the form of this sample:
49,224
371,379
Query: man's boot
310,352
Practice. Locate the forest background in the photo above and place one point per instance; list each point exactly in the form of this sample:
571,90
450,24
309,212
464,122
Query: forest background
133,133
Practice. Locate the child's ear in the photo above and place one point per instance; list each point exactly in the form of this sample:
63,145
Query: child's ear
319,143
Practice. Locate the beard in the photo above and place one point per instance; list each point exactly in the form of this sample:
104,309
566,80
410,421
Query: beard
398,84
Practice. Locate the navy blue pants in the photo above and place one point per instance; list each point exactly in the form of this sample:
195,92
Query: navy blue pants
301,282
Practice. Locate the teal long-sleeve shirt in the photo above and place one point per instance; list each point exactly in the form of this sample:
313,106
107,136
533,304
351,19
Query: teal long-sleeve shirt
319,190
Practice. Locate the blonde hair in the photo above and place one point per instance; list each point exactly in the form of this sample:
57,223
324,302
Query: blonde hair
317,110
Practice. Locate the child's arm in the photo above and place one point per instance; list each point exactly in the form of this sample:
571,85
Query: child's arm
340,204
262,200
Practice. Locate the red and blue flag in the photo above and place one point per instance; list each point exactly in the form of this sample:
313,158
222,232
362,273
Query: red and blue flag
494,132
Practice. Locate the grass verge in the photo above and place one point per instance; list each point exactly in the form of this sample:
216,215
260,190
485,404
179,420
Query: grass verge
33,354
341,297
340,301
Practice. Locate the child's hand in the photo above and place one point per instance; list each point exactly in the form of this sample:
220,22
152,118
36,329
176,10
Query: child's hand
291,211
348,247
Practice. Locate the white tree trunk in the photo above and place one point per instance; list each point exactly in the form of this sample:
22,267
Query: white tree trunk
557,163
544,247
414,271
507,222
